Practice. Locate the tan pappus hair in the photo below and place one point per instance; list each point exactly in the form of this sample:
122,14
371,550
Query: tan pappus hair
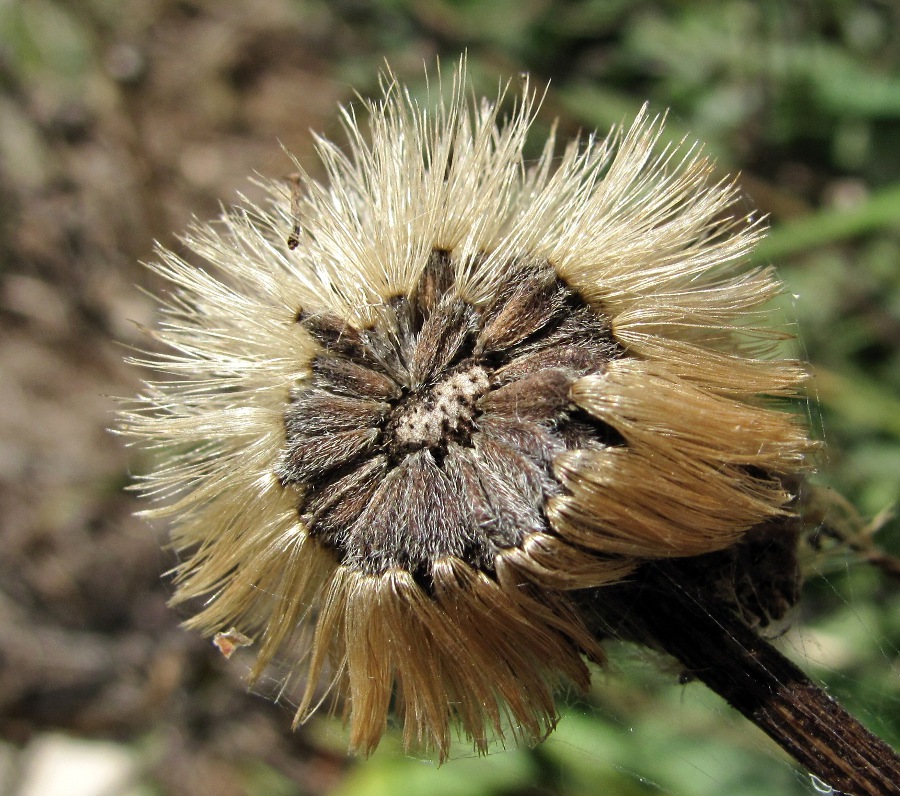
404,411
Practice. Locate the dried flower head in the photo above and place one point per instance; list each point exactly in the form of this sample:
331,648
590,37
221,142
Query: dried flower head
409,409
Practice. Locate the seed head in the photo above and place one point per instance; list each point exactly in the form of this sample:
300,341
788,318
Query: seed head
407,410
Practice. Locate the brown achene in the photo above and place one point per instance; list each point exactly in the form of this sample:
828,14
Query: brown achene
466,407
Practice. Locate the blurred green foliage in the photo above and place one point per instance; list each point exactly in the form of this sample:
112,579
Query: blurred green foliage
803,98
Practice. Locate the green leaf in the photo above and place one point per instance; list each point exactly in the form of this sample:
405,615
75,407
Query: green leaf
881,209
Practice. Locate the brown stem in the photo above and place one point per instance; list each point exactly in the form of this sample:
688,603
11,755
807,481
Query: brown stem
670,608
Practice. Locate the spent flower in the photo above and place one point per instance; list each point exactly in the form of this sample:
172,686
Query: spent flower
405,412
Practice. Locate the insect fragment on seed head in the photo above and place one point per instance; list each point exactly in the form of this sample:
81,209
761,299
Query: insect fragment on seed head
467,385
293,240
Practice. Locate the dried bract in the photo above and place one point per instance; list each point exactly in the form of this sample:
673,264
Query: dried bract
409,409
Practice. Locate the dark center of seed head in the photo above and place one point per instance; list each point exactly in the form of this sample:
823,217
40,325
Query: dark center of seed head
444,412
431,433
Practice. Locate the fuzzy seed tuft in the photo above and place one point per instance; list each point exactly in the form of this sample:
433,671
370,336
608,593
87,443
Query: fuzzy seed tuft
405,414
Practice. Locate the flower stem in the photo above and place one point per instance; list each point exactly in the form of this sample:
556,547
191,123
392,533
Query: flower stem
670,608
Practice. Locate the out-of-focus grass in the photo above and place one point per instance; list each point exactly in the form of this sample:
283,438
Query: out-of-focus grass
874,214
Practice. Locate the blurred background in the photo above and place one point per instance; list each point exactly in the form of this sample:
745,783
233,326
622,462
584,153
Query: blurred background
120,120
